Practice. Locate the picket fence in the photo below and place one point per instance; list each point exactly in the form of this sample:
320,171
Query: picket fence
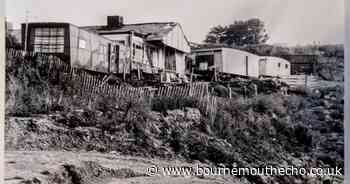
93,84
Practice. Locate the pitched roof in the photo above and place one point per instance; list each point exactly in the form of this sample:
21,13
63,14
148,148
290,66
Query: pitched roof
152,31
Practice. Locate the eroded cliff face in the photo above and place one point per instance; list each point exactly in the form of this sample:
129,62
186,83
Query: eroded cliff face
269,130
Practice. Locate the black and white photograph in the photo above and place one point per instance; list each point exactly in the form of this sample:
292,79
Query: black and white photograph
174,92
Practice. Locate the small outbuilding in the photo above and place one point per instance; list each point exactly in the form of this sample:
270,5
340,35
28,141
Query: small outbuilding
274,67
75,46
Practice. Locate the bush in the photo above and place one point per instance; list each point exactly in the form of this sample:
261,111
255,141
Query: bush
294,103
24,100
269,104
220,91
162,104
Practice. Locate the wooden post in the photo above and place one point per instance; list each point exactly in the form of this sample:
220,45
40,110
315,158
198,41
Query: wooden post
215,77
229,92
306,82
161,77
129,59
191,78
138,72
190,91
255,90
124,70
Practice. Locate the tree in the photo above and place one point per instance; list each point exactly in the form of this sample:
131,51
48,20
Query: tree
12,42
239,33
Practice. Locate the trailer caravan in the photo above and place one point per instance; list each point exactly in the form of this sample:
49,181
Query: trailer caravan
226,61
274,67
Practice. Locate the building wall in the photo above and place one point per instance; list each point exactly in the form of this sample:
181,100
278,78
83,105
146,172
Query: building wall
180,63
124,51
176,39
234,62
88,50
157,56
273,66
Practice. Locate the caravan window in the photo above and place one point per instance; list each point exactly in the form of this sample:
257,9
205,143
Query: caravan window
82,44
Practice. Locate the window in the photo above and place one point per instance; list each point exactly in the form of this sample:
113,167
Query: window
82,44
122,42
149,55
204,62
137,51
286,65
170,60
279,65
49,40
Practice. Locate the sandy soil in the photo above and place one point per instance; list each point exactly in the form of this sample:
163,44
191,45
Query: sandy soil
41,165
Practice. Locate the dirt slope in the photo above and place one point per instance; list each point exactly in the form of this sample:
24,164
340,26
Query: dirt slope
90,167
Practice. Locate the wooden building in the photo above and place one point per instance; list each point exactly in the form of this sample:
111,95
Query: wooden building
78,47
274,67
149,47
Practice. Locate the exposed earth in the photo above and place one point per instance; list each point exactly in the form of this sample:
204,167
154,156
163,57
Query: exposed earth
92,167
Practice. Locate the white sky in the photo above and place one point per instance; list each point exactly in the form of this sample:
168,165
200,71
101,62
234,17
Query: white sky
287,21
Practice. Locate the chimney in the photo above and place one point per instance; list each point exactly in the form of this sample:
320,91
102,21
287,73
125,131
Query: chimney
114,21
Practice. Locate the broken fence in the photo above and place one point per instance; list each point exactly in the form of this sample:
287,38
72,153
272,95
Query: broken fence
91,84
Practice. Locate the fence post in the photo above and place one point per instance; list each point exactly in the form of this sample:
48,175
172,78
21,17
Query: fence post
138,72
124,71
229,92
306,82
190,92
191,77
255,89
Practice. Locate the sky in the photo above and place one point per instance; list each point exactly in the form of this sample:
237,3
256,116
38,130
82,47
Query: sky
288,22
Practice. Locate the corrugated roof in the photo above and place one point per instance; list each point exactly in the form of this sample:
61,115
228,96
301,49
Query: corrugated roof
152,31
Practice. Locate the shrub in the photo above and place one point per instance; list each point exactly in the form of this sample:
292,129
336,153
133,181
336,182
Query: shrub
294,103
269,104
220,91
25,99
162,104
